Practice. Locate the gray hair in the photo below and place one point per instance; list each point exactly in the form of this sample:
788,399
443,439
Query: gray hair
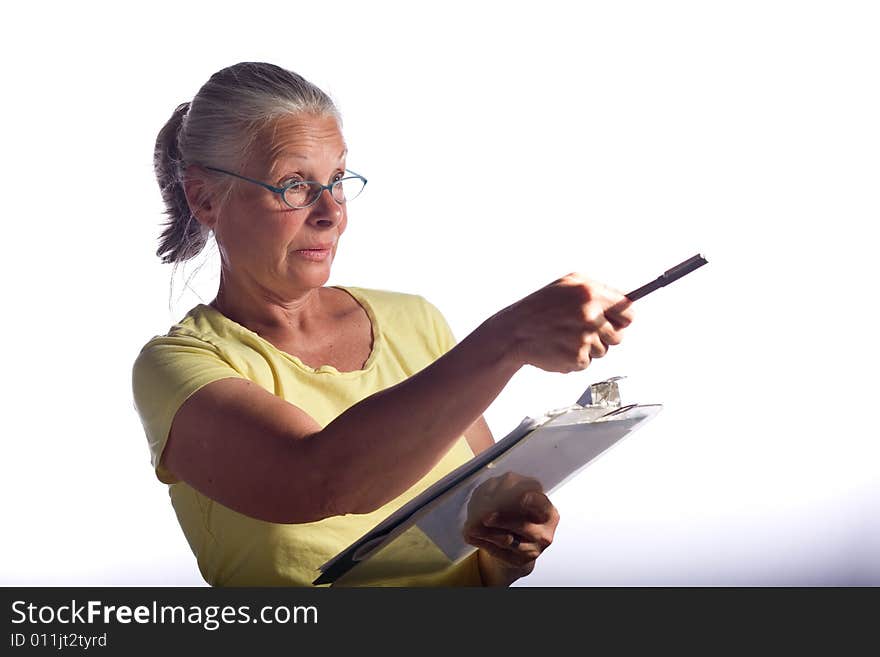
218,128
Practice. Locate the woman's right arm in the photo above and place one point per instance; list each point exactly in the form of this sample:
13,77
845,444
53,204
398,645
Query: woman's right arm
262,456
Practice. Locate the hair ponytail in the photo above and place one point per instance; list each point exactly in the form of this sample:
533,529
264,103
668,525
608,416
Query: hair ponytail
183,236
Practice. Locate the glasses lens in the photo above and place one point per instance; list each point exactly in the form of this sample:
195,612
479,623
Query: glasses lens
348,189
302,194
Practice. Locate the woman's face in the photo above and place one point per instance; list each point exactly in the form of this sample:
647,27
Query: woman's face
259,236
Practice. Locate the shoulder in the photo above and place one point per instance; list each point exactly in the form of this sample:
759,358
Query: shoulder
396,307
201,327
385,298
407,316
199,339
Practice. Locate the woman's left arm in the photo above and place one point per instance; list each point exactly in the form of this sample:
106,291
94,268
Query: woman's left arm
511,520
479,436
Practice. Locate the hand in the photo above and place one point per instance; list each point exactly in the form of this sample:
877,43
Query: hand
563,325
512,521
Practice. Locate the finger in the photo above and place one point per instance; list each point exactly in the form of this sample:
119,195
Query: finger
590,346
546,516
619,321
583,361
514,522
531,506
507,540
620,314
608,335
619,306
592,315
508,557
537,506
527,532
597,347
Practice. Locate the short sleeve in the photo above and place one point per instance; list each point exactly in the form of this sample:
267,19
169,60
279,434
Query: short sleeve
442,333
166,373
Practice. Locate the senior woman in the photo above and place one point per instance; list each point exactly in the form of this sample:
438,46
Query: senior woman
288,417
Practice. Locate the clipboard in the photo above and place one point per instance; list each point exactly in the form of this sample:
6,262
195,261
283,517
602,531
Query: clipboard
549,451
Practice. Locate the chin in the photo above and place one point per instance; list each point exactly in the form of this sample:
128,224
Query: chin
316,277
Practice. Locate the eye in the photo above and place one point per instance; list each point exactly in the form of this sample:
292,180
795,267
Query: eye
290,180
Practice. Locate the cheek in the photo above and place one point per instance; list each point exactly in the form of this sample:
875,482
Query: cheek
340,228
258,239
279,237
341,225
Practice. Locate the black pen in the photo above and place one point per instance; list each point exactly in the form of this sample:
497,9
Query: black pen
681,269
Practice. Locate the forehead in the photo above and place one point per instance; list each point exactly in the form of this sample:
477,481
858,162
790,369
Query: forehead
297,138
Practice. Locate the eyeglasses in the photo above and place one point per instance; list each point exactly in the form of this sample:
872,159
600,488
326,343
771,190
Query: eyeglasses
301,194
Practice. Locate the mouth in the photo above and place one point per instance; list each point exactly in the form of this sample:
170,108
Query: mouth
315,254
318,247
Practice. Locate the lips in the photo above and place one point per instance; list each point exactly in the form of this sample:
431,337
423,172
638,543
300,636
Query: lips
317,247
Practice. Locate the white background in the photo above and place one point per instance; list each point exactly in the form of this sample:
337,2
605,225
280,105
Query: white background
747,131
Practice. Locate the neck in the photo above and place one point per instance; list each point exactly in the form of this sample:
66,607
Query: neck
265,312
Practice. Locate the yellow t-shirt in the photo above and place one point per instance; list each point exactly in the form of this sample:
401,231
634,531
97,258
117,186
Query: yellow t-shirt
233,549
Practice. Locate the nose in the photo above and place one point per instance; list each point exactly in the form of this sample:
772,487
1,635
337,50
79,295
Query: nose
326,211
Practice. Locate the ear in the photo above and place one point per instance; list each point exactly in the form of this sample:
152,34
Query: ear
200,196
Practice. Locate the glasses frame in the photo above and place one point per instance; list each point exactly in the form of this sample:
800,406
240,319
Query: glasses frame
282,190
